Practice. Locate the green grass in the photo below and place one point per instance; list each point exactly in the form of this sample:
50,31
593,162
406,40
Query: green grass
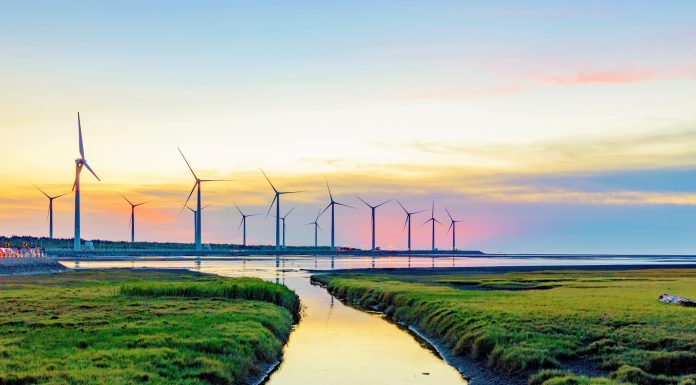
519,322
124,327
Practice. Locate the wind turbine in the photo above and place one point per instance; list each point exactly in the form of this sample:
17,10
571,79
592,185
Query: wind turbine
316,227
197,184
243,223
276,200
408,221
132,217
50,209
373,208
453,227
433,220
283,219
195,217
333,204
79,163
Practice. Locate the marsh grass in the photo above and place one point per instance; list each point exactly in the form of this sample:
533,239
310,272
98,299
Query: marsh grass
518,322
239,288
84,328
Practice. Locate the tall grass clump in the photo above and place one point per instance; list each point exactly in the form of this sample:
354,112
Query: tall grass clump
73,328
237,288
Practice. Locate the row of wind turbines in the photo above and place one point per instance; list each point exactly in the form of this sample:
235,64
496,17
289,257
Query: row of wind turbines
280,221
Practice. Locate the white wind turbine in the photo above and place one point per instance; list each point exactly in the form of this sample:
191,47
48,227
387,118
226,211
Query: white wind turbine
79,163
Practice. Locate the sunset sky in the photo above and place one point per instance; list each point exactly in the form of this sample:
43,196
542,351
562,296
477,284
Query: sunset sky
548,126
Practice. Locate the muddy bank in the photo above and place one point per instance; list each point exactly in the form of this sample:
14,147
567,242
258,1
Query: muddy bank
476,372
28,266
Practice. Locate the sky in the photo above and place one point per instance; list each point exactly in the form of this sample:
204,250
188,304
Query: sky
546,126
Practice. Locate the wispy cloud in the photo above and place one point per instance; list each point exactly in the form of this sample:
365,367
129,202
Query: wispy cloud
605,77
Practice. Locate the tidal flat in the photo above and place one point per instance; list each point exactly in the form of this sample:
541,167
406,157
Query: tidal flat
550,327
121,327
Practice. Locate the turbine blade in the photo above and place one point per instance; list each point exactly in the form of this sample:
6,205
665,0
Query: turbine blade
328,188
187,163
122,196
271,206
90,170
217,180
438,222
326,208
384,203
238,209
408,217
269,181
130,223
42,191
142,203
288,213
402,206
79,130
319,227
206,206
363,201
74,183
48,212
291,192
344,205
418,212
240,224
448,214
61,195
426,222
189,196
450,227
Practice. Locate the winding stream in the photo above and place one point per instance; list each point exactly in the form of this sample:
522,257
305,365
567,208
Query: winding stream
339,345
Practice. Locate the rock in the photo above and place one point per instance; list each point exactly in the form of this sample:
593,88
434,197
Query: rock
671,299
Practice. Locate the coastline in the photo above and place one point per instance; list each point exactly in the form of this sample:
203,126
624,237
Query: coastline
29,266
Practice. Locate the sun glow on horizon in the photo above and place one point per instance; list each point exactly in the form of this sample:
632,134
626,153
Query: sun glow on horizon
516,128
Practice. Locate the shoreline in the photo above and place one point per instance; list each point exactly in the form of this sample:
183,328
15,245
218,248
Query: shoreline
11,267
475,372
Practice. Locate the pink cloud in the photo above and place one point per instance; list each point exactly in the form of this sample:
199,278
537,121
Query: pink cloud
606,77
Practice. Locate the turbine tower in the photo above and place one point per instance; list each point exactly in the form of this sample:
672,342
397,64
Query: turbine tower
242,223
453,227
50,209
433,220
372,209
79,163
332,204
408,221
131,224
316,228
283,219
276,200
197,184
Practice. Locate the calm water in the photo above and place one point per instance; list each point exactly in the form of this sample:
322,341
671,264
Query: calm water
336,344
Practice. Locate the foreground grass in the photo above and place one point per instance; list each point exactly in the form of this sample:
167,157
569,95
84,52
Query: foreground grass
123,327
526,322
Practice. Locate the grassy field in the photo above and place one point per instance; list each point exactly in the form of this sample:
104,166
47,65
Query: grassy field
551,324
124,327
